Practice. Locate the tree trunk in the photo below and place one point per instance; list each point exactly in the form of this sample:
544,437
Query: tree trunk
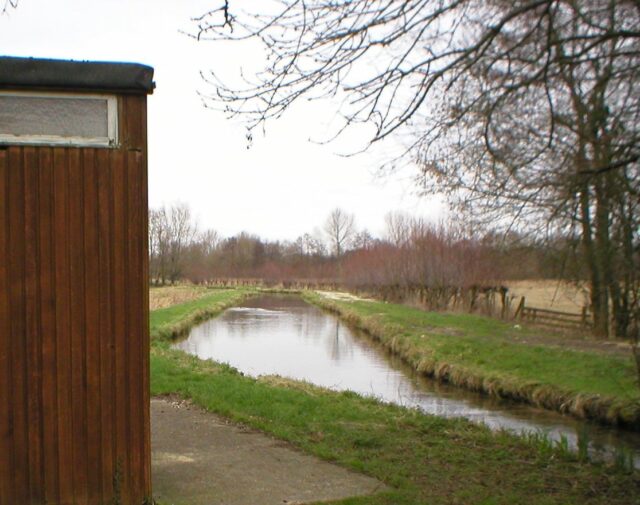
627,273
600,310
603,254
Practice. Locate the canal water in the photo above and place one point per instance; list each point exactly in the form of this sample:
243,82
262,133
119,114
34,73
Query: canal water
283,335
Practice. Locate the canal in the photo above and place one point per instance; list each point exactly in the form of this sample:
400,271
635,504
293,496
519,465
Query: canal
283,335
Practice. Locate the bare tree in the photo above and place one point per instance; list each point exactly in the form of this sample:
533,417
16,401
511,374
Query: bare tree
391,58
363,240
201,257
158,245
9,4
308,245
181,233
398,227
340,230
210,240
171,232
545,128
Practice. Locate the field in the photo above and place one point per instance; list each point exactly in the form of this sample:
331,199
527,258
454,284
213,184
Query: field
542,293
550,294
166,296
424,459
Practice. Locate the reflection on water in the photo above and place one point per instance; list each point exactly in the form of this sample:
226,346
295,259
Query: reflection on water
288,337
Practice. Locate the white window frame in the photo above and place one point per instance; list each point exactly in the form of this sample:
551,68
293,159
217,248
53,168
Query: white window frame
111,140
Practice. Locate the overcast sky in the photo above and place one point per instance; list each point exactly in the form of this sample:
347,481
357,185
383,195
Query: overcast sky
281,187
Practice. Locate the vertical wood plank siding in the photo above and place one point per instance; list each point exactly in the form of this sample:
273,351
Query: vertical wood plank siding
74,335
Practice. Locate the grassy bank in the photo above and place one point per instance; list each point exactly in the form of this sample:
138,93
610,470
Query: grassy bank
488,355
423,459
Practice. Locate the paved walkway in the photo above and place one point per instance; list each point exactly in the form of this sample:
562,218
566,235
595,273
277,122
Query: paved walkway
200,459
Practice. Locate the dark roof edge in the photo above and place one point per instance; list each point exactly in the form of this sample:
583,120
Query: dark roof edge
27,73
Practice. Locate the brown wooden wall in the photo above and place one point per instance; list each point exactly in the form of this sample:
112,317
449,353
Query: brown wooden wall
74,346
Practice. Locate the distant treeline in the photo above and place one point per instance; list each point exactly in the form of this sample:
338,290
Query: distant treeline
414,253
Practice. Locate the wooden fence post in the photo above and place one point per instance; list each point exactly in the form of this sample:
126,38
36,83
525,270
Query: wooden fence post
520,309
505,302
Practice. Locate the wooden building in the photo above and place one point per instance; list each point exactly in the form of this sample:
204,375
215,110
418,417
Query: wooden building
74,337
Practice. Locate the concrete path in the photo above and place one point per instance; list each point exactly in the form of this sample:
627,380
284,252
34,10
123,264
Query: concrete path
200,459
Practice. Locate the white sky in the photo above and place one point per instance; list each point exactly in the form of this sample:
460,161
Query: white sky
280,188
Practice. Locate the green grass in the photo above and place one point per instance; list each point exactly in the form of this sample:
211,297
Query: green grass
489,355
423,459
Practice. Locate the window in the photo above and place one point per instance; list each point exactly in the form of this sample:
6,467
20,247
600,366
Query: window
58,119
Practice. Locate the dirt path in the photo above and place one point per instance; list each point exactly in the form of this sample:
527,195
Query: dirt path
200,459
